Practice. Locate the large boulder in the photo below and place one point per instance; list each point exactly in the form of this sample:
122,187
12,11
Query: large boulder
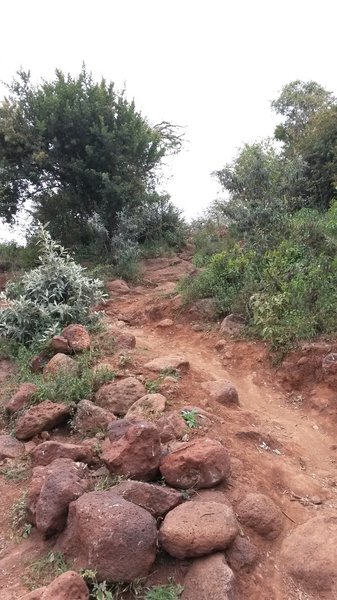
309,555
45,453
156,499
25,392
221,391
118,396
209,578
109,535
168,363
147,406
199,464
68,586
91,419
50,492
136,454
61,363
42,417
198,528
10,447
259,512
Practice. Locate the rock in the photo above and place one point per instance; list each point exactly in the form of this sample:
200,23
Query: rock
68,586
118,429
221,391
171,426
309,554
199,464
90,419
221,345
211,495
109,535
61,363
209,578
136,454
38,362
45,453
196,529
205,309
118,396
78,337
51,490
10,447
329,363
260,513
25,392
165,323
231,325
156,499
169,362
124,340
41,417
147,406
60,344
242,555
118,286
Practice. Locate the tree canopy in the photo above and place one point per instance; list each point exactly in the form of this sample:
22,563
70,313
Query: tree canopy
77,150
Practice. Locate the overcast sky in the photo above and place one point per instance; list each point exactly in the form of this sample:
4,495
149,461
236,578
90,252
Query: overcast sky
212,66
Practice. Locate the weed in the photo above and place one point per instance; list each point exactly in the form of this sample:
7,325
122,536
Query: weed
46,568
164,592
190,418
16,472
104,483
125,360
113,591
169,372
18,517
152,386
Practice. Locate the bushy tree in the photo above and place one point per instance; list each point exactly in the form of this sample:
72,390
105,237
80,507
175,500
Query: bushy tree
77,150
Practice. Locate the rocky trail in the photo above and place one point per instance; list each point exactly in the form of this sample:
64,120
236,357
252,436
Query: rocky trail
273,519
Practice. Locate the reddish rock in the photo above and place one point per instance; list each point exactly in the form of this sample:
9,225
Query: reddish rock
118,396
209,578
38,362
221,391
171,426
51,490
165,323
111,536
147,406
68,586
136,454
78,337
41,417
61,363
261,514
25,392
46,452
60,344
199,464
91,419
242,555
329,363
205,309
10,447
172,361
309,555
118,286
196,529
156,499
118,429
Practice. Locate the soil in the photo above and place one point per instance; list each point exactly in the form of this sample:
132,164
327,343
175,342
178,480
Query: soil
281,444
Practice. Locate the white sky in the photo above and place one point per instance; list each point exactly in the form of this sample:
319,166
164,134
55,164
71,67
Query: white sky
211,66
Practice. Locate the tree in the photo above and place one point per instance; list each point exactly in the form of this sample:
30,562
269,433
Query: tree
77,150
298,102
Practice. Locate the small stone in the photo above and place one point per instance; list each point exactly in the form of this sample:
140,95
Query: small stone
156,499
242,555
209,578
165,323
169,362
118,286
25,392
61,363
118,396
91,419
171,426
147,406
221,391
261,514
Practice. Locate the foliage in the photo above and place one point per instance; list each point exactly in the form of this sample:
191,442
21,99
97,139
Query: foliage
113,591
191,418
164,592
18,516
79,152
16,472
47,298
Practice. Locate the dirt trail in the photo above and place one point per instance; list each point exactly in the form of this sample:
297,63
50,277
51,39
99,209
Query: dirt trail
276,446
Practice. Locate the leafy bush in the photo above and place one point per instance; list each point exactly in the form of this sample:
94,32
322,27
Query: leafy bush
47,298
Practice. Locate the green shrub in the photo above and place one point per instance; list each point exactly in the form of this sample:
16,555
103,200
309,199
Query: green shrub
47,298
